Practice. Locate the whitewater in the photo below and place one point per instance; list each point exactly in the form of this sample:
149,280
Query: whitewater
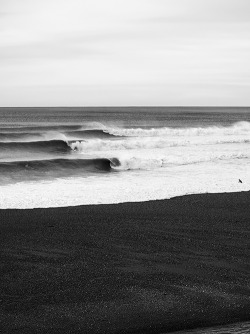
54,157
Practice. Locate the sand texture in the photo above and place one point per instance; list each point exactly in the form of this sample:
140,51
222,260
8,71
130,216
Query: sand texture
126,268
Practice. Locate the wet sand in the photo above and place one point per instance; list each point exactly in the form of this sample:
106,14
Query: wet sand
147,267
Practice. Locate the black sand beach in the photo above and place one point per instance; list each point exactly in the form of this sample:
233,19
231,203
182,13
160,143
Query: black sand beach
148,267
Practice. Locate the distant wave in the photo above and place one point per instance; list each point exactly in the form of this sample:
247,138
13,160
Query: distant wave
74,132
98,129
236,128
96,133
49,135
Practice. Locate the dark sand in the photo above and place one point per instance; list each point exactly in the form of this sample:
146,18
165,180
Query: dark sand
129,268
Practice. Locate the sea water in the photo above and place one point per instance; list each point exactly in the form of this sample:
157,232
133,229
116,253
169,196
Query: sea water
52,157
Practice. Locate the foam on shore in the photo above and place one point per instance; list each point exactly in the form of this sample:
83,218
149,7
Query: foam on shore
135,187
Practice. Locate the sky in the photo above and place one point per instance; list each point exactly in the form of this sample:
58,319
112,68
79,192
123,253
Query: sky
124,53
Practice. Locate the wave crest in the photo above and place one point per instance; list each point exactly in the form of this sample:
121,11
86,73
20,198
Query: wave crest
136,163
236,128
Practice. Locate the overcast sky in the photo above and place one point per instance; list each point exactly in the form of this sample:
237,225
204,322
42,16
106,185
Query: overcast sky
124,52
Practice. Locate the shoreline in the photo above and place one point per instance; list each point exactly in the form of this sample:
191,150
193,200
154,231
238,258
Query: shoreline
124,202
137,267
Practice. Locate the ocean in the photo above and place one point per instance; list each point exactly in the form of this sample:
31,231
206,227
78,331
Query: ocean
54,157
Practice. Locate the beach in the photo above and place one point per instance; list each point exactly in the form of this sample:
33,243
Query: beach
125,167
149,267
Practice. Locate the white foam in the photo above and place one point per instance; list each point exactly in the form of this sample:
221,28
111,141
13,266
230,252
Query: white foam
154,157
237,128
127,186
149,142
141,139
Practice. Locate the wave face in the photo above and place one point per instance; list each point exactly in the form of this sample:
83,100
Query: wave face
54,168
117,155
50,145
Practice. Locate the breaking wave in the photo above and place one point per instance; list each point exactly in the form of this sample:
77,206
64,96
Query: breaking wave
136,163
90,134
146,143
102,132
89,148
236,128
49,135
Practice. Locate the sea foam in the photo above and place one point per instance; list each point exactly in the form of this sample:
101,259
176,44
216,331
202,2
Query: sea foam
135,187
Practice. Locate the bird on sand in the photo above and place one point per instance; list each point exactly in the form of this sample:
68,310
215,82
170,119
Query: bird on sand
240,181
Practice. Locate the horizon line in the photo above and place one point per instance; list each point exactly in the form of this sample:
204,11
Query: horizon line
131,106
